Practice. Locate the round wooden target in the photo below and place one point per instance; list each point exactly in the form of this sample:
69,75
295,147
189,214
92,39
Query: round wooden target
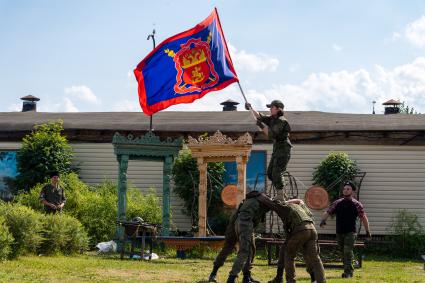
228,195
316,198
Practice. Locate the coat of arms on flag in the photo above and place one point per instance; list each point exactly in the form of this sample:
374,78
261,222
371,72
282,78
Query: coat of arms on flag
185,67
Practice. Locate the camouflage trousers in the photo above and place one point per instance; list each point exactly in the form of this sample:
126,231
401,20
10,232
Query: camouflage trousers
346,245
277,166
244,229
306,241
230,241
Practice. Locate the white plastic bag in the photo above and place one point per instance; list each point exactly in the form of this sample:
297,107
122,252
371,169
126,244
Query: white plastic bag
107,247
146,256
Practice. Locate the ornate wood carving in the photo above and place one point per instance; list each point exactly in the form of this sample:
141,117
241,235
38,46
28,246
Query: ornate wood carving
219,148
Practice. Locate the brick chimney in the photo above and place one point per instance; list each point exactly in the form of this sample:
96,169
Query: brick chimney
29,103
230,105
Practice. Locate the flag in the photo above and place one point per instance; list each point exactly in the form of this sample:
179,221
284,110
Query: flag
185,67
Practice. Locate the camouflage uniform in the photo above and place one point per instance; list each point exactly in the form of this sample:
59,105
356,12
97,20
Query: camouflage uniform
250,214
52,194
279,130
301,234
230,240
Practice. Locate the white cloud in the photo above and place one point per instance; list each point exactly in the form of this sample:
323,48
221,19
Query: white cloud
255,63
336,48
395,36
62,105
15,107
415,32
127,106
350,92
83,93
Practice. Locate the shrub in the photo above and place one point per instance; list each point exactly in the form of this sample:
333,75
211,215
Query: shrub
186,181
147,206
407,234
62,234
43,151
96,207
25,226
333,171
97,211
6,240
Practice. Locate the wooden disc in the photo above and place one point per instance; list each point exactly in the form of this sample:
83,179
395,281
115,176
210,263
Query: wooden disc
316,198
228,195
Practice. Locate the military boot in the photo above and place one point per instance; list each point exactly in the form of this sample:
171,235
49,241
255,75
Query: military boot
247,278
213,275
279,276
231,279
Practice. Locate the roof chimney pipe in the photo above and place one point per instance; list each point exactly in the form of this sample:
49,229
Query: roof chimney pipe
229,105
391,106
30,103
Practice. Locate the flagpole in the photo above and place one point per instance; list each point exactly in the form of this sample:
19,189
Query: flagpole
243,94
154,45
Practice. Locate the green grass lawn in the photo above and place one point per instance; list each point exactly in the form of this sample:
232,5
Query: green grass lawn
94,268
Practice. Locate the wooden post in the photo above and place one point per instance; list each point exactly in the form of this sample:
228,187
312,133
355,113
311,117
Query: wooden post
122,197
202,200
241,166
168,164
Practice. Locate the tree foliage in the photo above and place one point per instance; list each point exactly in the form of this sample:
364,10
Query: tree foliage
407,234
405,109
333,171
43,151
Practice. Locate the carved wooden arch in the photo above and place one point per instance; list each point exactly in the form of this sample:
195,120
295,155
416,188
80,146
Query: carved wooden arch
147,147
219,148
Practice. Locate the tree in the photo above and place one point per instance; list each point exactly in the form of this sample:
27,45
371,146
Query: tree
43,151
333,171
405,109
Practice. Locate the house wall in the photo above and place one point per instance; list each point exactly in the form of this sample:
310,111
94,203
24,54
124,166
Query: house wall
395,179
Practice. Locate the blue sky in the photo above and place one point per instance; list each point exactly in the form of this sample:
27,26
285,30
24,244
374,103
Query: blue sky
333,56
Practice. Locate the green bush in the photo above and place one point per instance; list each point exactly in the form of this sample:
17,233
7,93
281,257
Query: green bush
333,171
6,240
186,181
62,234
43,151
96,206
25,225
407,234
146,206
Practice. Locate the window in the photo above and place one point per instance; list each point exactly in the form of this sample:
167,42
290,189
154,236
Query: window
256,166
8,171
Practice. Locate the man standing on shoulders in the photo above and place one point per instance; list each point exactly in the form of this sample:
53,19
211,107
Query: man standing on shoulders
347,209
52,196
278,130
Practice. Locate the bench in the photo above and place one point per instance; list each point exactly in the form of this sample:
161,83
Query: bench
271,243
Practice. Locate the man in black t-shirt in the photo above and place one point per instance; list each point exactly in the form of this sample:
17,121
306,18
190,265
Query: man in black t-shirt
347,209
52,196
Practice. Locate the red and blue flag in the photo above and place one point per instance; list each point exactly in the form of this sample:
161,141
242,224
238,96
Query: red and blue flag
185,67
